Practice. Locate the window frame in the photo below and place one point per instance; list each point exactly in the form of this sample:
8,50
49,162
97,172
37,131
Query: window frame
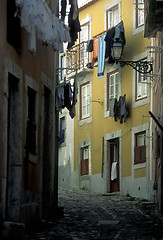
107,20
111,5
138,13
137,75
114,73
31,122
81,101
136,29
143,100
84,25
140,149
84,163
110,70
62,130
135,130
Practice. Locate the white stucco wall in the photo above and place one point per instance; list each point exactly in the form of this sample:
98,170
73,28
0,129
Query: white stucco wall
66,153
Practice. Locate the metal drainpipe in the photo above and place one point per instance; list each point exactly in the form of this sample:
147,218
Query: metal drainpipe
56,129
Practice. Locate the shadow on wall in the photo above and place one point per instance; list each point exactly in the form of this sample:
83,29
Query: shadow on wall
64,176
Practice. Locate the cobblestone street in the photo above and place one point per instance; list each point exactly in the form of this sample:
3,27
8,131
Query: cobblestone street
107,216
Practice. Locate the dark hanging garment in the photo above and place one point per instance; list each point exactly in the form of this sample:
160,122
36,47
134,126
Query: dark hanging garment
63,9
119,35
109,44
116,110
123,109
89,46
73,22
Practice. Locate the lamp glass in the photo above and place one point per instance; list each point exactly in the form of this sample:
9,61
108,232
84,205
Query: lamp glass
116,52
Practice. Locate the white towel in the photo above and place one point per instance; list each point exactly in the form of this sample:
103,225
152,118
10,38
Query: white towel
114,171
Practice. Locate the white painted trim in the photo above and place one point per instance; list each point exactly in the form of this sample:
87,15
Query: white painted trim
110,68
147,99
107,137
110,5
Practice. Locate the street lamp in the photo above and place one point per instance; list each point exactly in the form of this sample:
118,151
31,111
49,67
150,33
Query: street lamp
143,67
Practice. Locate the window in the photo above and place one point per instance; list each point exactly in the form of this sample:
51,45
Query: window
31,123
112,87
62,130
141,86
85,100
139,13
84,161
84,36
140,148
13,25
112,17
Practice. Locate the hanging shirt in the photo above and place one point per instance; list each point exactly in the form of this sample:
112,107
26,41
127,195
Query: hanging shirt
101,55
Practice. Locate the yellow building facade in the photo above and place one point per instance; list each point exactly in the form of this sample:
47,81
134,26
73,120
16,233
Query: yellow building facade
111,149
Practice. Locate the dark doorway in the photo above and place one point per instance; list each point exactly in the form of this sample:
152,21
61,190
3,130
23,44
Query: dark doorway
114,164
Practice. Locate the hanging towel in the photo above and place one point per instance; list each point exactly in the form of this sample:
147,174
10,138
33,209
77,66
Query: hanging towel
101,55
114,171
95,48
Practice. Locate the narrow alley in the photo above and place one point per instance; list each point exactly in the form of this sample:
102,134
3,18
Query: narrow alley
97,216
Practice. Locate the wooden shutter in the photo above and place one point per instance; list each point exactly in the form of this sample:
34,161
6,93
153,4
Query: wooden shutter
140,154
84,167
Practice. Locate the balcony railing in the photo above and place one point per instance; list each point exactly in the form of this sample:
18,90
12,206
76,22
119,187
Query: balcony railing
77,57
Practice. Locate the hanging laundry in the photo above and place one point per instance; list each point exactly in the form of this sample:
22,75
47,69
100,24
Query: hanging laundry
49,28
31,41
73,23
109,44
101,55
60,98
123,108
95,48
111,107
120,109
119,35
116,110
63,9
89,47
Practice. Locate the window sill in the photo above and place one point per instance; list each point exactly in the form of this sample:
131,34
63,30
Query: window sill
84,121
84,177
137,30
139,165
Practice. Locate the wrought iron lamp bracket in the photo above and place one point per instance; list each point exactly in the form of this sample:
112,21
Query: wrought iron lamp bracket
143,67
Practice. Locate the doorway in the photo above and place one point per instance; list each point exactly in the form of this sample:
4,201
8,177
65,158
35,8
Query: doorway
13,150
113,160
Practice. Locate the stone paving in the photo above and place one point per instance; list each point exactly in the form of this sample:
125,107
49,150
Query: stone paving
102,217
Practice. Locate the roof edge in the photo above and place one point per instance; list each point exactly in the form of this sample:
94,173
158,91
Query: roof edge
87,4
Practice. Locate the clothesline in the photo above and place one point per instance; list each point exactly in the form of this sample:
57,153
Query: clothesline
100,34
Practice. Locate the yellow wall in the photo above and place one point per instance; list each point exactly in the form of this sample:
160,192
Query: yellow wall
100,125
